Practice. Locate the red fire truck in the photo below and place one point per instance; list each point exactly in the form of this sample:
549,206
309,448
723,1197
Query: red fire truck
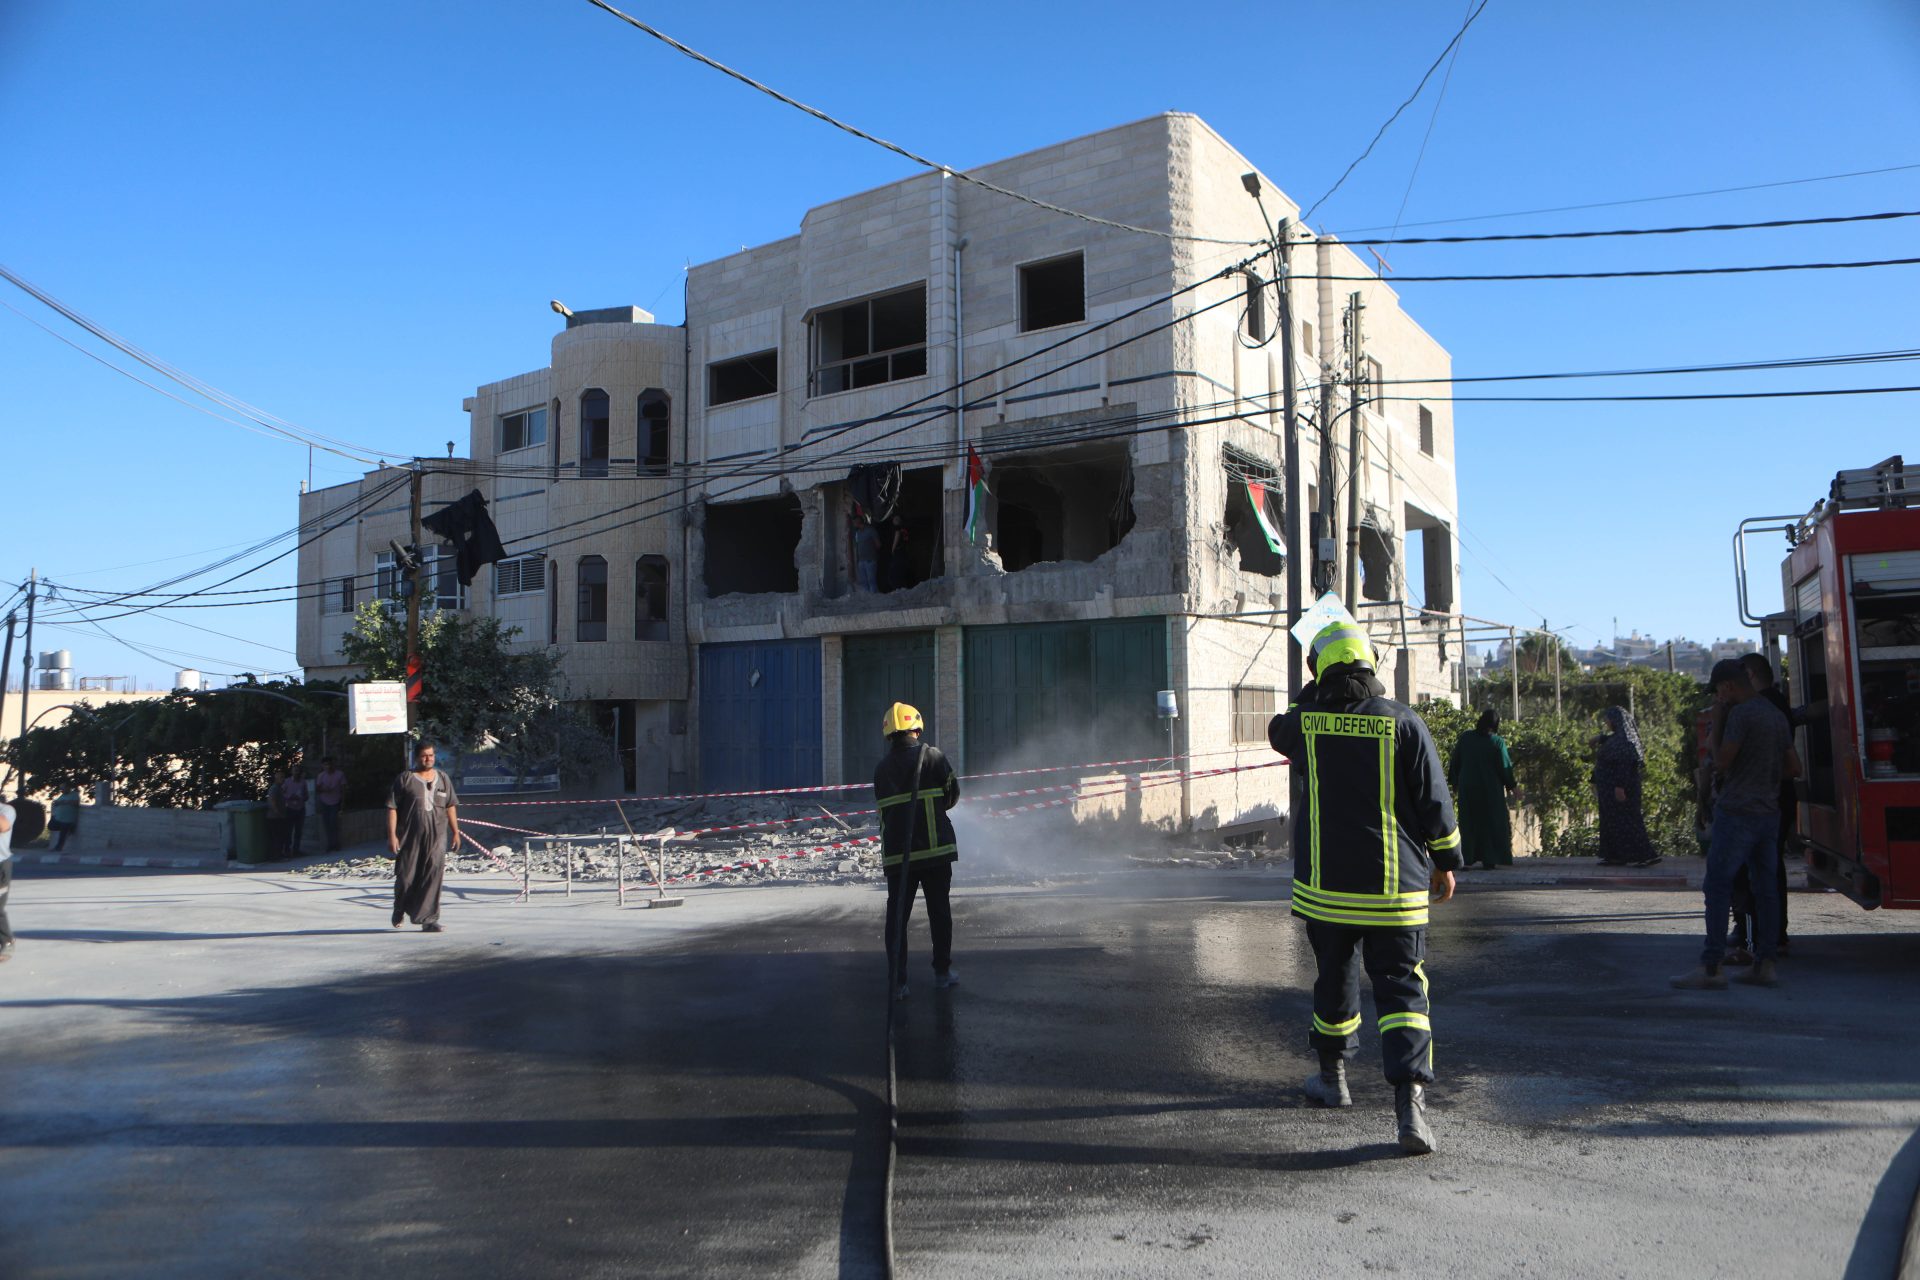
1851,628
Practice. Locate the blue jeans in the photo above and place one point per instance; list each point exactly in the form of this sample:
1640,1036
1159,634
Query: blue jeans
1742,840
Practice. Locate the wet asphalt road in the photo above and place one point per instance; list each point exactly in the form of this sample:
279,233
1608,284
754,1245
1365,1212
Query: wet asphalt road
258,1079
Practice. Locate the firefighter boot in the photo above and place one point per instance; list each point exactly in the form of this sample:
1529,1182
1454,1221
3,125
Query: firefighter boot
1410,1108
1329,1087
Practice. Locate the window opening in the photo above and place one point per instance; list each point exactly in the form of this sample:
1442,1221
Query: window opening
1374,384
1053,292
595,430
1306,340
1886,617
863,344
743,378
1436,559
906,548
1253,707
591,599
1376,561
522,575
343,595
1062,504
443,579
650,574
656,431
750,546
1253,514
386,581
1426,431
523,430
1256,308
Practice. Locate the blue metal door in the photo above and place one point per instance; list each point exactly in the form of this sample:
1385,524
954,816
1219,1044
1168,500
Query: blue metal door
760,715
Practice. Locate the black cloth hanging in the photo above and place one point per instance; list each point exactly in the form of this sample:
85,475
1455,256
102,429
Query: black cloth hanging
469,528
876,487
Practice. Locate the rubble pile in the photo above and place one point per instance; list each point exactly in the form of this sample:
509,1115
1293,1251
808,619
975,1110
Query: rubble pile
804,824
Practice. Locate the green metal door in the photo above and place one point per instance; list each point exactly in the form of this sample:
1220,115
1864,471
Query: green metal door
876,672
1063,692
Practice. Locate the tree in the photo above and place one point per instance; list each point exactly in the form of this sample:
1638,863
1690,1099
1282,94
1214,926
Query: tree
477,691
1538,652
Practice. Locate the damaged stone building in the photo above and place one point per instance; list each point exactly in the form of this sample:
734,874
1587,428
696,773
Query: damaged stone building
748,534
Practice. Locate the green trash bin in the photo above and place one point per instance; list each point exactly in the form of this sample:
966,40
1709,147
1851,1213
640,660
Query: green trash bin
249,819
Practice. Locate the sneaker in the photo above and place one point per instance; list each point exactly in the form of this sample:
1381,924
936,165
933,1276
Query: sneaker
1761,975
951,978
432,927
1701,979
1410,1109
1739,955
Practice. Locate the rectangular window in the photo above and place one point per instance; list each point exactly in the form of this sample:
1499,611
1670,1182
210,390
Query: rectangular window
523,430
1253,707
1256,308
443,580
1374,384
342,595
656,432
1307,348
522,575
650,577
1053,292
1426,431
386,582
591,600
743,378
863,344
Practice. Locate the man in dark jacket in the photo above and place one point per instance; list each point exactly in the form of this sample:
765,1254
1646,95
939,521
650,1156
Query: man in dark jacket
1374,838
914,787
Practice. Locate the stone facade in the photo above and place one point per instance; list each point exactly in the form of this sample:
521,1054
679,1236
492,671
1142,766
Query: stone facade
1120,425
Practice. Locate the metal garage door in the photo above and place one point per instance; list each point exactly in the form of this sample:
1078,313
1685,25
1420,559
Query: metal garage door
878,671
1063,692
760,715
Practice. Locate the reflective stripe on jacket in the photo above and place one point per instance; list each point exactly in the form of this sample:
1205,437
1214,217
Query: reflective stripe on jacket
1377,818
924,812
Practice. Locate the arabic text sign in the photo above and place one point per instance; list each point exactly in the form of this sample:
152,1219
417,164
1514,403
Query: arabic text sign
377,706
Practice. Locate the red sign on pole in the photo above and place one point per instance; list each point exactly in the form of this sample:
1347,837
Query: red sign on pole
415,677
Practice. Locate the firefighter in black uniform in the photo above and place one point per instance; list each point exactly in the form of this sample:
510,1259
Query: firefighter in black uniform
1374,838
914,787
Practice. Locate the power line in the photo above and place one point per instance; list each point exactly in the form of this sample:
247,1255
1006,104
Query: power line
1627,275
1770,224
1432,120
1678,195
895,147
1457,37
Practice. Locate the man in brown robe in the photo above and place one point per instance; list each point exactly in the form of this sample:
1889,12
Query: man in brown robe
423,822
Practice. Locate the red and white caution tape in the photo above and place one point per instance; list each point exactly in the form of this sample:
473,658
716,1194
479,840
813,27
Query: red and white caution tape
490,854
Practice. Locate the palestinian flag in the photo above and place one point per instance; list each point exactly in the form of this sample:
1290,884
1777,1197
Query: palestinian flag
1257,495
976,496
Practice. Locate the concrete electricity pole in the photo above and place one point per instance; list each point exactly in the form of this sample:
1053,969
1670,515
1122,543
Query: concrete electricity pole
26,659
1296,523
1329,488
1356,374
413,674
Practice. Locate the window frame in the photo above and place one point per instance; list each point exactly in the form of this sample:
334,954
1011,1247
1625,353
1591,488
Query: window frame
644,431
596,466
656,623
528,442
519,564
1021,277
442,561
816,366
1256,308
714,366
342,592
1428,432
581,622
1241,715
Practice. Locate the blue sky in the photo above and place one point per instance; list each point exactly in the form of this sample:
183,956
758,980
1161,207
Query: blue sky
351,214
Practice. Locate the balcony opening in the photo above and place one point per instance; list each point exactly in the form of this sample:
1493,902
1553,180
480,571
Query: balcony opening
1061,504
1434,561
751,546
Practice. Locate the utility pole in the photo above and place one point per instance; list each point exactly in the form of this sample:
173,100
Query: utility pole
1356,374
1329,488
413,605
1296,524
1557,713
6,661
26,659
1669,657
1513,645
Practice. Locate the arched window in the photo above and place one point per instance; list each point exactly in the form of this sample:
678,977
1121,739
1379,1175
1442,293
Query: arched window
591,599
650,580
595,432
656,431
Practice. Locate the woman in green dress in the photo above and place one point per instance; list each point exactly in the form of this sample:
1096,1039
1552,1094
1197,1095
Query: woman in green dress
1482,776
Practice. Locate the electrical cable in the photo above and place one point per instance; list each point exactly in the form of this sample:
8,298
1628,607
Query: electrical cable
1457,37
1627,275
894,147
1432,120
1770,224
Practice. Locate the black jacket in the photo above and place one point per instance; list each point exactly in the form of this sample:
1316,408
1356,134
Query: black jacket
932,831
1377,818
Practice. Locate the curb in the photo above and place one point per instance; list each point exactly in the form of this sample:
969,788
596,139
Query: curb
110,860
1908,1267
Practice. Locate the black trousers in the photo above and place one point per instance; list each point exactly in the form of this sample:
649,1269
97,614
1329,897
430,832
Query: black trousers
6,888
1393,960
934,880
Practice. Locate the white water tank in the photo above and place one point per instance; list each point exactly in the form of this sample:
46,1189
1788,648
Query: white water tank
55,659
188,678
57,678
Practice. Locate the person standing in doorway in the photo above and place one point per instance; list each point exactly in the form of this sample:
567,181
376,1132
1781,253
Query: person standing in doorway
329,791
1752,754
423,822
1482,778
914,787
1375,842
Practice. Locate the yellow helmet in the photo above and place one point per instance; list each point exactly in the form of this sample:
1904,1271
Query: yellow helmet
901,718
1337,643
